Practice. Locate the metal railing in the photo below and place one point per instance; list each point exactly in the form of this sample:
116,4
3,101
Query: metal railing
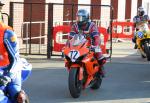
27,37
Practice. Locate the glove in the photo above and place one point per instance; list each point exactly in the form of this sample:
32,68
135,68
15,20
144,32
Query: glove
95,49
102,61
4,80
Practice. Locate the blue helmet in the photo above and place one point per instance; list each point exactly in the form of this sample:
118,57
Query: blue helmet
82,17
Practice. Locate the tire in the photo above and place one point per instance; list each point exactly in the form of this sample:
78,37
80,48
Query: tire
75,85
143,56
97,81
27,99
147,50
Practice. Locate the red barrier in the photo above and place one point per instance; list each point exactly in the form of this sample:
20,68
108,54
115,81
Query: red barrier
63,29
66,29
103,31
122,30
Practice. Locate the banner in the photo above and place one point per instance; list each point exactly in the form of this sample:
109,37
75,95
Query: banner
60,36
119,30
122,30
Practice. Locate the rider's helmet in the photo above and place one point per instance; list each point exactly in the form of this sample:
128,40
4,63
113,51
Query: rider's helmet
141,11
82,17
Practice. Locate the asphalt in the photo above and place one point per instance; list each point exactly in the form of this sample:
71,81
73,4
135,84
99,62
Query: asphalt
124,83
127,79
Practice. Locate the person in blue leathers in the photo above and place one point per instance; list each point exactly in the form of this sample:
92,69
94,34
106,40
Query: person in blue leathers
10,73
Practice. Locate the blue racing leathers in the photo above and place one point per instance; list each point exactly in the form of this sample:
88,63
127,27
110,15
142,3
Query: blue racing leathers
11,68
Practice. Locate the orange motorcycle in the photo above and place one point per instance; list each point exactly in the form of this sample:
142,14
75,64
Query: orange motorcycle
84,70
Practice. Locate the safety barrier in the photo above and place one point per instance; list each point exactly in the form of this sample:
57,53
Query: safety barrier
63,30
58,45
119,30
122,29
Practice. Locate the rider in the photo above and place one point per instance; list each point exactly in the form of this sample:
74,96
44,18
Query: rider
139,19
90,30
10,74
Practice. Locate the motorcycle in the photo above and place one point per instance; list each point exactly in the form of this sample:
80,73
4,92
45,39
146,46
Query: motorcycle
84,70
25,72
143,40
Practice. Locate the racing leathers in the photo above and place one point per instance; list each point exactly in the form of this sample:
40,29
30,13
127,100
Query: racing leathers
9,58
138,20
90,31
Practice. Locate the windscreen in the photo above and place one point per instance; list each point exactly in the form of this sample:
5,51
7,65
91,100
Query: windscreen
78,39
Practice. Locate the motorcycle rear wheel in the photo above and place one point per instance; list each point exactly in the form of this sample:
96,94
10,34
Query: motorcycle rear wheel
75,85
97,81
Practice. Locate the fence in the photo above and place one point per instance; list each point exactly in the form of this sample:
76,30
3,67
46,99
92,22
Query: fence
30,22
42,28
60,31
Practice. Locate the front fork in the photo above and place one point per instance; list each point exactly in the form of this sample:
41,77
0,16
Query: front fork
77,66
81,74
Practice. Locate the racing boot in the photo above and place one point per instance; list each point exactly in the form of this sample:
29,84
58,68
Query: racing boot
135,46
134,41
101,62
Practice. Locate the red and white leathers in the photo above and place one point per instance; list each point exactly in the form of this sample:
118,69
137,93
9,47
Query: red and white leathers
138,20
90,31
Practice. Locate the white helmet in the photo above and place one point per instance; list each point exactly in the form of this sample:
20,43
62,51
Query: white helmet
141,11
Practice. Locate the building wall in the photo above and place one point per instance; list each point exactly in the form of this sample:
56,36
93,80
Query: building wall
114,4
69,10
34,13
58,10
96,11
119,10
105,13
133,8
122,11
128,9
146,4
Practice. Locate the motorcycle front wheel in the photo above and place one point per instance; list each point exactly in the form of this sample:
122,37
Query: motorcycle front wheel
75,85
143,56
147,50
